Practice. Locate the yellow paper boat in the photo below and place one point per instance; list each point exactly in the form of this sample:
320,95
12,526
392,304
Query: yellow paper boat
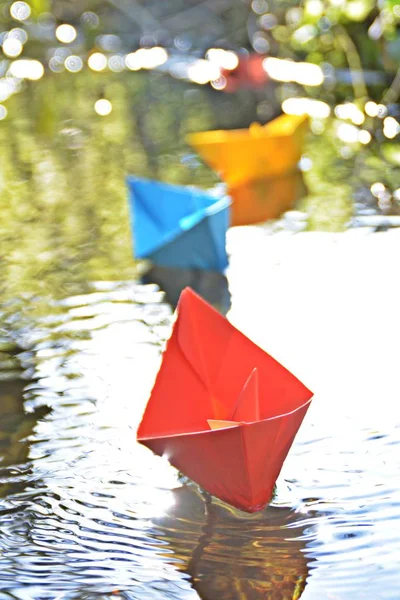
256,153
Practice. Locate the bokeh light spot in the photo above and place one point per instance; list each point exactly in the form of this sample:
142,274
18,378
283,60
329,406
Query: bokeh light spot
97,61
377,189
103,107
371,108
66,33
153,57
12,47
90,19
116,63
348,133
202,71
350,111
314,8
259,6
3,112
26,69
382,111
18,34
268,21
308,106
73,64
133,62
290,71
219,84
20,11
225,59
391,128
56,64
364,137
146,58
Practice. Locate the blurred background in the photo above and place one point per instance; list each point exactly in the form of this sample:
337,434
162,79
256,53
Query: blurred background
91,91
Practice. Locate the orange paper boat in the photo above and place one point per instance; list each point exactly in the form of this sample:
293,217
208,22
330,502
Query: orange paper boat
222,410
260,152
262,200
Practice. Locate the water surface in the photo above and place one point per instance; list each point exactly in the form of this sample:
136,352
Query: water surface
85,512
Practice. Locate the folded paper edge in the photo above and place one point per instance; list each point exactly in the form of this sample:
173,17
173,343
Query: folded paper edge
215,431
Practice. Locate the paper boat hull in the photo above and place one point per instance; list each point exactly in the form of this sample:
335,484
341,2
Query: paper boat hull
200,247
211,371
178,226
255,153
264,200
237,465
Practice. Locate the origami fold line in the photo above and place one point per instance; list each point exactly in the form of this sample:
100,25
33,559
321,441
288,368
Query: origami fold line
211,373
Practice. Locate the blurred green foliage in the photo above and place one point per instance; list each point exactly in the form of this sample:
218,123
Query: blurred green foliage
65,217
63,199
340,33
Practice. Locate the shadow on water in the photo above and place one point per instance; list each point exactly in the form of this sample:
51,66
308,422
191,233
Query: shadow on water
16,422
231,555
210,285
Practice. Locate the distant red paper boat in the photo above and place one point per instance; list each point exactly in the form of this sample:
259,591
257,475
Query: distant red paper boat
223,411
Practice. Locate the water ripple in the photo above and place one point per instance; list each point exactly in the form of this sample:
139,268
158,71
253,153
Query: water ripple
86,512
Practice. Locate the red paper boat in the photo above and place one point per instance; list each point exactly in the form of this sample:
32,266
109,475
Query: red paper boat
222,410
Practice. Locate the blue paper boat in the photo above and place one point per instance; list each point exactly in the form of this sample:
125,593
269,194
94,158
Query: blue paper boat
177,226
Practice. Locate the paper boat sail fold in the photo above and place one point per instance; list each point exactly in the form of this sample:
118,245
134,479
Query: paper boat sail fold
223,411
178,226
256,153
247,408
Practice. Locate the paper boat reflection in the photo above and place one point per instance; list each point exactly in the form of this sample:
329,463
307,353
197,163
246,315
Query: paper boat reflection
222,410
177,226
256,153
210,285
232,556
266,199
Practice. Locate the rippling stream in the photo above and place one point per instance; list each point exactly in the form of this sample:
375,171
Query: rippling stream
85,512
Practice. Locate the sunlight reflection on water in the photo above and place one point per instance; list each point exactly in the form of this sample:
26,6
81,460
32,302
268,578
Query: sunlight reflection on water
321,308
89,513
